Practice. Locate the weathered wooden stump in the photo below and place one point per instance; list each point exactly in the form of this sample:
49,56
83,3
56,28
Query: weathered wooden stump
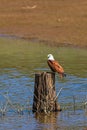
44,93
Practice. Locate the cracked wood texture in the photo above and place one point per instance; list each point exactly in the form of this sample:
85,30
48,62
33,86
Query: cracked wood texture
44,93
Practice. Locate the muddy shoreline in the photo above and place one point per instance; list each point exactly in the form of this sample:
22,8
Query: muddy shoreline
57,23
42,41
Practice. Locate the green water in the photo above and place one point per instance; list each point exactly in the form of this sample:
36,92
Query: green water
19,61
27,55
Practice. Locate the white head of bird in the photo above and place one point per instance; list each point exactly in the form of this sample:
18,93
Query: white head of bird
50,57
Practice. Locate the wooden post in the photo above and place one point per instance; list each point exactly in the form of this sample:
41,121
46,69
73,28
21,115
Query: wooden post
44,93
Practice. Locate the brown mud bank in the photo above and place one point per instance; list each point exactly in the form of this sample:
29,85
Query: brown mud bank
60,23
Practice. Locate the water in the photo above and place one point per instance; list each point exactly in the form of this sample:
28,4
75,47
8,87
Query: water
19,61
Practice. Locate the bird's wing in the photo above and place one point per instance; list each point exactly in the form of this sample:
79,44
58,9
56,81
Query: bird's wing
58,67
50,63
55,66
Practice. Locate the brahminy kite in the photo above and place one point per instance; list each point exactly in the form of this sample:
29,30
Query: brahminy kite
55,66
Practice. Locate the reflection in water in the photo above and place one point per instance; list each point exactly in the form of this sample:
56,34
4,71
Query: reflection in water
48,122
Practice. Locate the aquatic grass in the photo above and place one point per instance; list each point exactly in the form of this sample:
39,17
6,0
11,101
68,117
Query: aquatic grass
20,108
16,107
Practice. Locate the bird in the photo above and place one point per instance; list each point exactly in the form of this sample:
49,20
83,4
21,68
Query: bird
55,66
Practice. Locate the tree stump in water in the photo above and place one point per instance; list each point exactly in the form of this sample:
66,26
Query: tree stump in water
44,93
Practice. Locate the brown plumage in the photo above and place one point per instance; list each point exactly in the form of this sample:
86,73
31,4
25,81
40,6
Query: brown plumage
55,66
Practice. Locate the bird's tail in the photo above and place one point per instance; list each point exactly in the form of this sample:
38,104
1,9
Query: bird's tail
63,75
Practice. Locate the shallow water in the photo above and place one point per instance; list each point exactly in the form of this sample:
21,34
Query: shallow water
19,61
